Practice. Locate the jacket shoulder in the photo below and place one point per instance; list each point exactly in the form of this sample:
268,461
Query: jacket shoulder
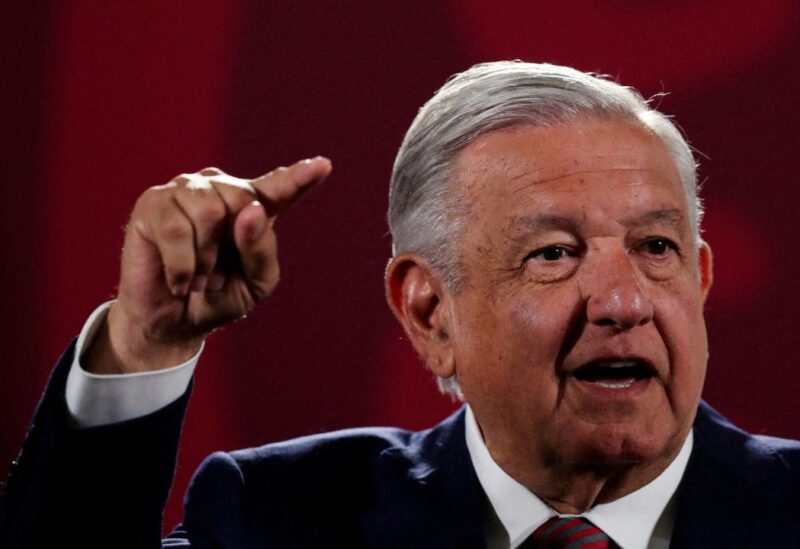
349,484
364,442
756,458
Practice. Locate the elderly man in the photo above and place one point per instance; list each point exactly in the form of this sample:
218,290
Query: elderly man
547,267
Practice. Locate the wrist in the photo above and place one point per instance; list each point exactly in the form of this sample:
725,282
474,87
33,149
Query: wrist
124,346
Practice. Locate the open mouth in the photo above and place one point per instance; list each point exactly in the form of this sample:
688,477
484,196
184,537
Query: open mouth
615,374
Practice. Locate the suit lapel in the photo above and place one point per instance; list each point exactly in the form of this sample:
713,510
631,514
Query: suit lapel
436,500
732,494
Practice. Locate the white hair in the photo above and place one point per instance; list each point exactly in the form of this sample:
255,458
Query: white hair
426,216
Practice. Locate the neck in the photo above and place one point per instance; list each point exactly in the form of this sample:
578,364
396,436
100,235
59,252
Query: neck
571,488
578,490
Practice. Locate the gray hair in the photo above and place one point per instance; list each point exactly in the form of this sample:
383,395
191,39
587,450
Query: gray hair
424,213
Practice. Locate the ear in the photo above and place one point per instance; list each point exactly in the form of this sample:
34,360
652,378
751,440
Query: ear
705,265
419,300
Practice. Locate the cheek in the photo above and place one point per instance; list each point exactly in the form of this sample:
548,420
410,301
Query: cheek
546,320
679,316
511,344
533,332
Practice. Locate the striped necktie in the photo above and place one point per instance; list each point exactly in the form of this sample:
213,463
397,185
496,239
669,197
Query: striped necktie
568,533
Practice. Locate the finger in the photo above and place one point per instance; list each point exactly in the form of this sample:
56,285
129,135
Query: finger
207,213
195,180
172,233
235,193
210,171
258,249
280,188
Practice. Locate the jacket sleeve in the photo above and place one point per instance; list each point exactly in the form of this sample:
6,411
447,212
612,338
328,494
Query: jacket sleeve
90,487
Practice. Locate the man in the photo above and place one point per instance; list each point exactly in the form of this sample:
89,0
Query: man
547,266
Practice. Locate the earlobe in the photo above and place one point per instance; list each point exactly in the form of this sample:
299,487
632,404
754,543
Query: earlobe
420,303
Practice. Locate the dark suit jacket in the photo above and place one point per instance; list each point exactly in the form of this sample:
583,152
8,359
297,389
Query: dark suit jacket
382,488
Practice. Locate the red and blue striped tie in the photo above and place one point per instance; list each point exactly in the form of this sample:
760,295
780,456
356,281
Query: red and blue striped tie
568,533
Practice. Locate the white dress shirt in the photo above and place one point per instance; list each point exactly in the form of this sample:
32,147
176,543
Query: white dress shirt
640,520
94,399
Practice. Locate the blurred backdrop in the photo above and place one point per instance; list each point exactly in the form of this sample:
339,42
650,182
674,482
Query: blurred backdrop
103,99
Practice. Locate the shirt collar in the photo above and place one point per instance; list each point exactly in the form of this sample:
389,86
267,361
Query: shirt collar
629,520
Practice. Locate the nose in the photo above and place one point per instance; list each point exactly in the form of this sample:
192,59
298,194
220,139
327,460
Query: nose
614,292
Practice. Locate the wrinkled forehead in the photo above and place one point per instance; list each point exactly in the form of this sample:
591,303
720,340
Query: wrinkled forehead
502,160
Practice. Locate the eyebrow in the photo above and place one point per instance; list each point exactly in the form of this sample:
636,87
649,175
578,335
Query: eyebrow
669,216
545,222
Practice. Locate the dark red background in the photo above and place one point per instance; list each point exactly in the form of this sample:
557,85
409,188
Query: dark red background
100,100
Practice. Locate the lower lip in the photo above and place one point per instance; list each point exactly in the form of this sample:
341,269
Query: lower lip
615,389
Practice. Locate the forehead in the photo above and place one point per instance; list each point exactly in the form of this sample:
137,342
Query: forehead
617,160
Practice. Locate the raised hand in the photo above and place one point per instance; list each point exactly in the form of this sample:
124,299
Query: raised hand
199,252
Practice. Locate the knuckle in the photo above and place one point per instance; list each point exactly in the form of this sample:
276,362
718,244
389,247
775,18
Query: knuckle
174,229
149,196
151,203
158,194
196,186
211,211
227,183
211,170
278,172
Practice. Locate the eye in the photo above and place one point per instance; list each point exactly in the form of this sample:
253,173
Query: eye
551,263
658,246
548,253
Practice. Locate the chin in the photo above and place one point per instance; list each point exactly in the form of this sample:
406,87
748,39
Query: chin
620,446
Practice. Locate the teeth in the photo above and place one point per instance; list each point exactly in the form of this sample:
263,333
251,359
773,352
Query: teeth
621,384
614,373
621,364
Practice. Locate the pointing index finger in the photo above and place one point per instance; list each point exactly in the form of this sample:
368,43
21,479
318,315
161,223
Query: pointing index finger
280,188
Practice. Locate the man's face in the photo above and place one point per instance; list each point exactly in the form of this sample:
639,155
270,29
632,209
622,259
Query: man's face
579,337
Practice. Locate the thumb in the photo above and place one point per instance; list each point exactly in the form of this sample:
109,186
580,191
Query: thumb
258,249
